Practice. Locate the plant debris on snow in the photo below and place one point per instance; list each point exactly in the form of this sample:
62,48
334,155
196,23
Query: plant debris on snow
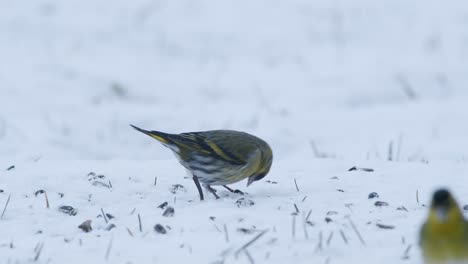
69,210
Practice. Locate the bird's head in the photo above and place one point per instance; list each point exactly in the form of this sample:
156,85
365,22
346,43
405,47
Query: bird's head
444,209
264,164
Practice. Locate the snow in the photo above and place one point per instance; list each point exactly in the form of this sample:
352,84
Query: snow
329,84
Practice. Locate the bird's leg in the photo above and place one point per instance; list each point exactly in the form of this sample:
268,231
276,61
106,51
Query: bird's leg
233,191
197,183
213,191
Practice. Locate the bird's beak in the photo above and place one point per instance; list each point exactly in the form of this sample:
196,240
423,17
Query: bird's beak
250,180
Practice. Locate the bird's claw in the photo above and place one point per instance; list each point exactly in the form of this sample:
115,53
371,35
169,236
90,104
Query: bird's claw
239,192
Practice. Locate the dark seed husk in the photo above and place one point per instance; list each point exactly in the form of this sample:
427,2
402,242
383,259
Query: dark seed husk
109,227
402,208
160,229
109,216
39,192
380,203
384,226
246,230
163,205
169,212
86,226
66,209
354,168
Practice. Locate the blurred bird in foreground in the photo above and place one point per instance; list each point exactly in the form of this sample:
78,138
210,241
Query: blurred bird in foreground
444,235
218,157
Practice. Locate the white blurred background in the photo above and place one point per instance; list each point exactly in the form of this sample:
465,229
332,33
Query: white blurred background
340,79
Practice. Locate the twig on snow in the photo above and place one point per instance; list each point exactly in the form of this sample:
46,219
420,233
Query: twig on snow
6,205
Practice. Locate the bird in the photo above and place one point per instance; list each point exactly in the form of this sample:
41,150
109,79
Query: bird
218,157
444,235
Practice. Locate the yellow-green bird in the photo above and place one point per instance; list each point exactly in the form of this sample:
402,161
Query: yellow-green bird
218,157
444,235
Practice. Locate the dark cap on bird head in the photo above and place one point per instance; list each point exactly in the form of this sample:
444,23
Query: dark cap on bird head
441,198
444,207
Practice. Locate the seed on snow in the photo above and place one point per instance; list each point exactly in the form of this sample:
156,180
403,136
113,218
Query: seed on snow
160,229
380,203
86,226
169,212
66,209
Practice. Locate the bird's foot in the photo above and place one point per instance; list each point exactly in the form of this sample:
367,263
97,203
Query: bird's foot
234,191
213,191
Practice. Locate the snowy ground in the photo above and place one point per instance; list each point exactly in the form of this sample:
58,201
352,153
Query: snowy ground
329,84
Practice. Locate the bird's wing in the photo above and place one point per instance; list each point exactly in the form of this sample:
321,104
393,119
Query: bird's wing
199,144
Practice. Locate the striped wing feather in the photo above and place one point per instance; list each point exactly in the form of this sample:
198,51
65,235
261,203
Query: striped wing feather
199,144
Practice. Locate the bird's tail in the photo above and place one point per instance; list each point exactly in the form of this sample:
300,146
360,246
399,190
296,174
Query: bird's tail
159,136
